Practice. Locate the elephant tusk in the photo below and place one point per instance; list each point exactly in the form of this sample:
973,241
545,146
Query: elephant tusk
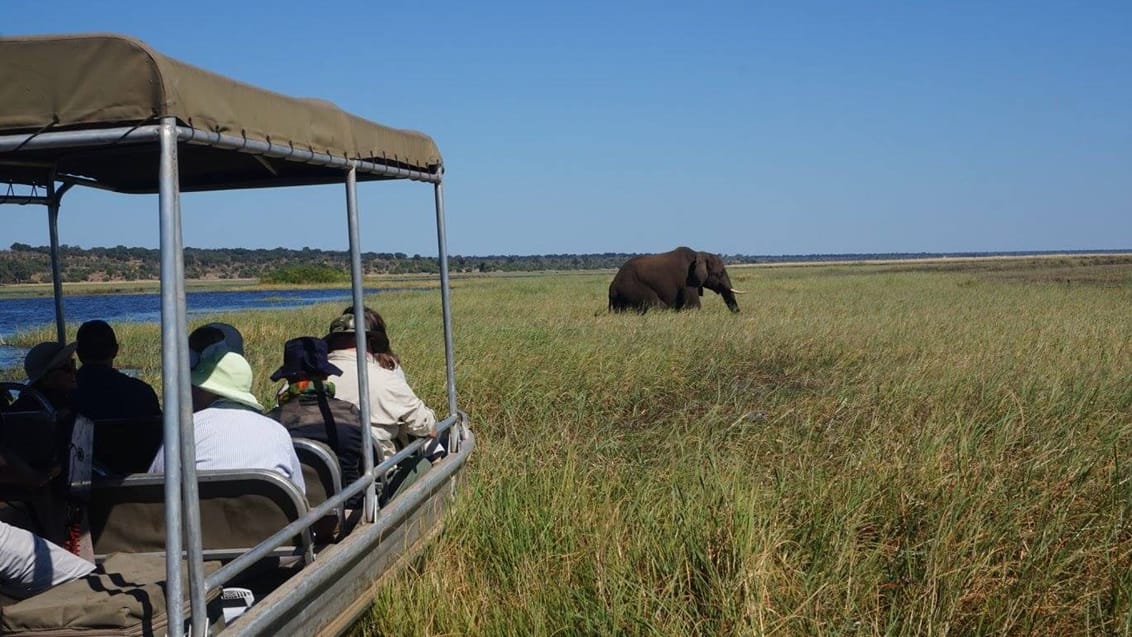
734,291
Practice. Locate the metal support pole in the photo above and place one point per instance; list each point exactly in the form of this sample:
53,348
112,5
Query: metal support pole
357,280
56,273
170,375
445,298
189,488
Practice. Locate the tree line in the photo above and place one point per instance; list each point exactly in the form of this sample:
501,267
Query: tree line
23,263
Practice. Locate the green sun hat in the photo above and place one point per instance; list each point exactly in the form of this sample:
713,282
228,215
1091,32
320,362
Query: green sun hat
226,374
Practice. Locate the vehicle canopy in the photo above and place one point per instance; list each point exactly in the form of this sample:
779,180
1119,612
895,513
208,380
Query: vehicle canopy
85,82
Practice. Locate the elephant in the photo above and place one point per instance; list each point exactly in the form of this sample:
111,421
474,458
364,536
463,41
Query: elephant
672,280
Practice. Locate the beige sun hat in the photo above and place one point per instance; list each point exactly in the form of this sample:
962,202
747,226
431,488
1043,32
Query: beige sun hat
45,357
226,374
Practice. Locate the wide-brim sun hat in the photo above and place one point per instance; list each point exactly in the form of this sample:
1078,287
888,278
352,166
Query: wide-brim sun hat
226,374
45,357
305,357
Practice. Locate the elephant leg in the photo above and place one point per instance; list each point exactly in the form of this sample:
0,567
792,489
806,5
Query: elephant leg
691,299
650,300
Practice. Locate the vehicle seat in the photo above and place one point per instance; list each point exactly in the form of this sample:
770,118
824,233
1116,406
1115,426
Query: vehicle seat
126,445
125,596
31,435
238,509
323,477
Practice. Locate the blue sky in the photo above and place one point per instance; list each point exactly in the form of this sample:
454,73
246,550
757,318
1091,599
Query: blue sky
734,127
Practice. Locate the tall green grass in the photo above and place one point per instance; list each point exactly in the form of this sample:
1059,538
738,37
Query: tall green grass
857,452
860,451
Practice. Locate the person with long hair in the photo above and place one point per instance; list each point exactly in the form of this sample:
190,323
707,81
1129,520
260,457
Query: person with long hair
396,414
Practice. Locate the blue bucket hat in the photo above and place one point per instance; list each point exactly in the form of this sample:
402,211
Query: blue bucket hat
303,358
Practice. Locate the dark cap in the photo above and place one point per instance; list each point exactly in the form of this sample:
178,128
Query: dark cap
303,358
211,333
345,323
232,337
342,325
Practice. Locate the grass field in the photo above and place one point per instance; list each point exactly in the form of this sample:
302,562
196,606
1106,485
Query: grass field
924,449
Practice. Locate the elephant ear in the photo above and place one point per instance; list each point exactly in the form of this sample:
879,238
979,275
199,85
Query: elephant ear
697,271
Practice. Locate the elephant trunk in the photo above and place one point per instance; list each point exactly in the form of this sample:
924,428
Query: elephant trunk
729,298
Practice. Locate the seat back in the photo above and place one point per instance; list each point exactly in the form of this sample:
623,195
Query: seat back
126,445
238,509
321,472
6,397
323,476
33,439
11,390
31,434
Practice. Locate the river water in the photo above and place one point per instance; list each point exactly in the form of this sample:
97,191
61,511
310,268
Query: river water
21,314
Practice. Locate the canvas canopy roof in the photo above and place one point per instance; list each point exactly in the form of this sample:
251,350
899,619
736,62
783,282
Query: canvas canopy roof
83,82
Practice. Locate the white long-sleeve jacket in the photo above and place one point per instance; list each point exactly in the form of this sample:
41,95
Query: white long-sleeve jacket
396,414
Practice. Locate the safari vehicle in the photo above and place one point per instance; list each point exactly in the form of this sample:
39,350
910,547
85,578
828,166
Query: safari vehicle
107,111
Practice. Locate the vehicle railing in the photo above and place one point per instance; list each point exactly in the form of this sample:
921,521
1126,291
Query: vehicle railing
265,619
263,549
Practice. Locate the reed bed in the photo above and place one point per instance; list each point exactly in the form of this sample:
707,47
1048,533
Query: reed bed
863,450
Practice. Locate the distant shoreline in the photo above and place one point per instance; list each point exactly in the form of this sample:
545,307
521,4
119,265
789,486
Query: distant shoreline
943,258
143,286
152,286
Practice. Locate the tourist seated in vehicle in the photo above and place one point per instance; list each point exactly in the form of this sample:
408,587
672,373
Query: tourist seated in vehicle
397,415
307,406
29,564
50,368
228,423
104,393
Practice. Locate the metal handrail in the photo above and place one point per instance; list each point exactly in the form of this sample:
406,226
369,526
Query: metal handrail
263,619
264,548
